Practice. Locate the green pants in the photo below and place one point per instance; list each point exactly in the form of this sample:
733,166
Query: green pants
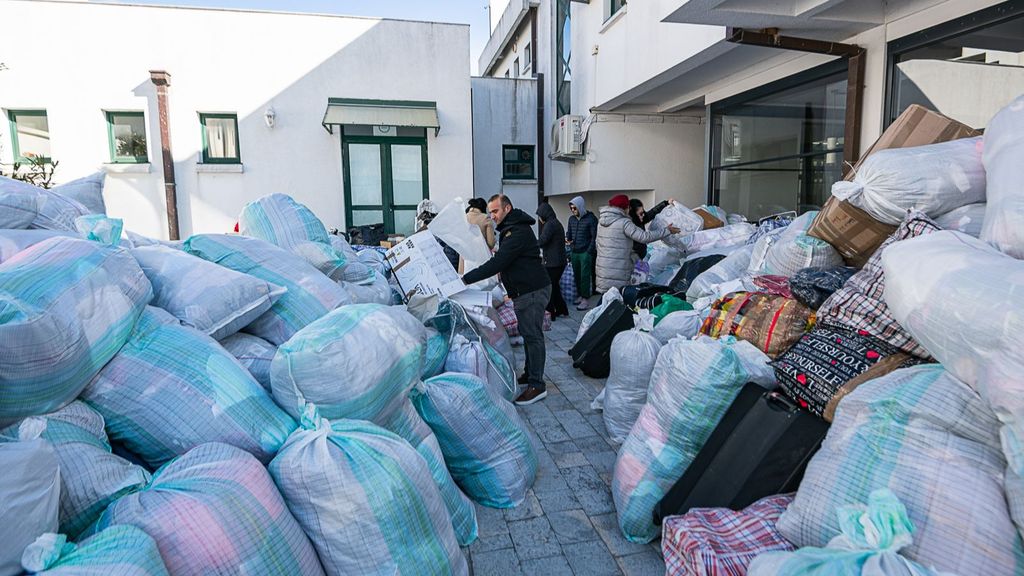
583,272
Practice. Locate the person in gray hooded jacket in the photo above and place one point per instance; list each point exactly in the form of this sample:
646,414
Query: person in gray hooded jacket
581,237
615,236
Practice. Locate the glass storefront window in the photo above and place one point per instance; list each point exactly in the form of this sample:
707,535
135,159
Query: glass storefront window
967,68
781,147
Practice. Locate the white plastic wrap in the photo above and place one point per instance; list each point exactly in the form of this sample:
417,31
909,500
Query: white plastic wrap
679,324
967,219
30,486
1004,148
590,317
732,267
934,179
729,235
633,355
961,299
450,226
681,217
790,255
663,261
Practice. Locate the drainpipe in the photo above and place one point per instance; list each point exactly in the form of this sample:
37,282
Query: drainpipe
541,130
162,80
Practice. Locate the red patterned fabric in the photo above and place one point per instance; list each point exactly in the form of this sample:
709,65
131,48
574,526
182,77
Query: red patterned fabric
507,313
723,542
859,304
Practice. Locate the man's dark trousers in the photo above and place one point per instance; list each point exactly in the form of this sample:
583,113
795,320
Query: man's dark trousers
530,313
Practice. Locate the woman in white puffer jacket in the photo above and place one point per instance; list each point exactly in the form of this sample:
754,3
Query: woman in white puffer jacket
616,233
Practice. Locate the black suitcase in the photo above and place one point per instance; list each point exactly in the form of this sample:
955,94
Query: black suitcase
691,269
760,448
592,354
646,295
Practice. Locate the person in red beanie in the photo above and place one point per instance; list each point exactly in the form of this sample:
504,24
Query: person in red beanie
616,233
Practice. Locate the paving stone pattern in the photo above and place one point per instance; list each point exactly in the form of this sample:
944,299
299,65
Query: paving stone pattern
567,525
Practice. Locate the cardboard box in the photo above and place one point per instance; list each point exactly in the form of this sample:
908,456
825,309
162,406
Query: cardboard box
710,221
852,231
421,267
917,126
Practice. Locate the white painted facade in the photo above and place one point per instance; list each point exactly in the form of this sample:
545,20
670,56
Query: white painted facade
662,58
97,58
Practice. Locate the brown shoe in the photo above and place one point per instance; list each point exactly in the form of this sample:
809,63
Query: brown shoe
531,395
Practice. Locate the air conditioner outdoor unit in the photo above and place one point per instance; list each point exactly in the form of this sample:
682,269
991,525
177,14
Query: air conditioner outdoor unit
568,137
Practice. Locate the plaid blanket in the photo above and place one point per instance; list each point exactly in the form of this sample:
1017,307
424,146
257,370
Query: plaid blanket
722,542
507,313
859,304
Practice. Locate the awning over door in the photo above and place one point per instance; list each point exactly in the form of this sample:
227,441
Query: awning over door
406,113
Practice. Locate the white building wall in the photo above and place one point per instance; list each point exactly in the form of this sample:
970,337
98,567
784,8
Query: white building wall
505,113
229,61
647,156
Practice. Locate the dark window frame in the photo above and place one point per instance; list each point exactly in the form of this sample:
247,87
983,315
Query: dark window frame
111,140
713,144
207,159
966,24
531,161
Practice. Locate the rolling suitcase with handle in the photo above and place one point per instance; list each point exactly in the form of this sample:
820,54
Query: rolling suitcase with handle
592,353
760,448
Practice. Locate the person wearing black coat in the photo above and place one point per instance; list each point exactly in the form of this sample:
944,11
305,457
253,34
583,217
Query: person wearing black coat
642,218
519,262
552,248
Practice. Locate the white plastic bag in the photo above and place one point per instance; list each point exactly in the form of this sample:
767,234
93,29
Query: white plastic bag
930,439
357,362
681,324
1004,148
633,354
213,299
869,545
693,383
681,217
14,241
663,261
366,499
93,477
254,353
30,485
934,179
732,267
450,225
967,219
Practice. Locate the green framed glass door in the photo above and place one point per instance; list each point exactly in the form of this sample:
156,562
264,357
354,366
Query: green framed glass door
385,178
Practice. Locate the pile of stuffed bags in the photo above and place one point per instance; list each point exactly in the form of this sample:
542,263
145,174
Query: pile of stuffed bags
252,403
910,348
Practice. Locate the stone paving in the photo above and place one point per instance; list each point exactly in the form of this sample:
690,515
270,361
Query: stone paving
567,525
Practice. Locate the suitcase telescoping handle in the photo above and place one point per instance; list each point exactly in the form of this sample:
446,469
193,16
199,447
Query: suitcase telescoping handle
779,402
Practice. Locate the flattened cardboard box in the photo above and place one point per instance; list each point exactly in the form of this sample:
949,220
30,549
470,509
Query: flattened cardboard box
421,267
852,231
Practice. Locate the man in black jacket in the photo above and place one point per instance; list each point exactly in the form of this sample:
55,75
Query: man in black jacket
522,274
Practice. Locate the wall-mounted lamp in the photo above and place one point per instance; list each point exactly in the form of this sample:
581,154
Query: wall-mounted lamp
269,117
